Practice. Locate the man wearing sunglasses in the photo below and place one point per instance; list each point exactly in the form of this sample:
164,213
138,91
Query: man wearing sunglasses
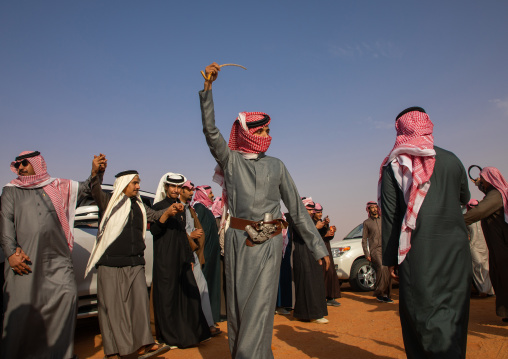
37,238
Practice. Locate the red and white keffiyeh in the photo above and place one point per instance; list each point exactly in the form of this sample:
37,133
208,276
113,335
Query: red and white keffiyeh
62,192
188,184
317,208
412,159
217,207
201,196
371,203
308,203
242,137
496,179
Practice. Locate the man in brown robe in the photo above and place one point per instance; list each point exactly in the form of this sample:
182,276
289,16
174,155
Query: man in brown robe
493,213
372,244
327,232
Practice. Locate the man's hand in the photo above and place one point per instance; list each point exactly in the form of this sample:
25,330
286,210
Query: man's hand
99,164
196,233
17,262
327,262
212,70
174,209
320,224
331,231
369,258
393,272
171,211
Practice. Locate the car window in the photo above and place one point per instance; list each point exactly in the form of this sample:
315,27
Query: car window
355,233
86,223
147,200
87,201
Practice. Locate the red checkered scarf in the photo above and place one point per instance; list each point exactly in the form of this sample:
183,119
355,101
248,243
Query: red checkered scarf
371,203
217,207
308,203
412,159
243,138
496,179
60,191
317,208
189,185
201,196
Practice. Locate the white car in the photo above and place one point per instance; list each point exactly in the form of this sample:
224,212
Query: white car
85,231
350,262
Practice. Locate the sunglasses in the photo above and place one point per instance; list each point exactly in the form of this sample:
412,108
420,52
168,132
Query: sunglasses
24,163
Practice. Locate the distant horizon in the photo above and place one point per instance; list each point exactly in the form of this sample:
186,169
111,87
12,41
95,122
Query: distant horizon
122,78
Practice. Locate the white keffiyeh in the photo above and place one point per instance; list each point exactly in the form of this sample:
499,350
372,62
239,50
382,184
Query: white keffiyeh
114,220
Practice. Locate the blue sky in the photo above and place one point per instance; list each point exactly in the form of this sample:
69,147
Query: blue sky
121,77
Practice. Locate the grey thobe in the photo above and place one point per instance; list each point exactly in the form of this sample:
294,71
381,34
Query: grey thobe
40,307
254,187
435,276
491,212
372,236
480,256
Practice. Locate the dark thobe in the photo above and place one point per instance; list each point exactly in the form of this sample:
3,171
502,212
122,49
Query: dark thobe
332,284
254,187
285,292
40,306
495,229
372,244
179,318
435,276
123,304
211,269
310,294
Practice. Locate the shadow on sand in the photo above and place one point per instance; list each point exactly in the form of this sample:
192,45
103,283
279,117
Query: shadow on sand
322,345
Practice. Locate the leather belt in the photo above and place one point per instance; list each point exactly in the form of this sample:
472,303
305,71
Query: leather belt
240,223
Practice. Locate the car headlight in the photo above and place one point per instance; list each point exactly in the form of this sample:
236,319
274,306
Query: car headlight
339,251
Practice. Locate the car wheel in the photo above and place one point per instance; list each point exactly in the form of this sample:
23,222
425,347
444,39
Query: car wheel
363,276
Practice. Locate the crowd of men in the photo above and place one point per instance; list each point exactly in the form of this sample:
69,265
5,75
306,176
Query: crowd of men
231,258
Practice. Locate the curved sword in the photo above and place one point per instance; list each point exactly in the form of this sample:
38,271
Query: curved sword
209,75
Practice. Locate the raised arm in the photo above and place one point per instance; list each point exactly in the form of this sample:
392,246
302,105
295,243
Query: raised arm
218,146
99,165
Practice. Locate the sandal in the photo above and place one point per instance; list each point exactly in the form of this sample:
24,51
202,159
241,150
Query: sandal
214,331
155,349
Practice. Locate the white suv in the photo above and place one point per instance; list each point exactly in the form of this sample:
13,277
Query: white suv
85,231
350,262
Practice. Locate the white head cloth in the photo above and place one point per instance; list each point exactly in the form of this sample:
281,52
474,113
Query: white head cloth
114,220
168,178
